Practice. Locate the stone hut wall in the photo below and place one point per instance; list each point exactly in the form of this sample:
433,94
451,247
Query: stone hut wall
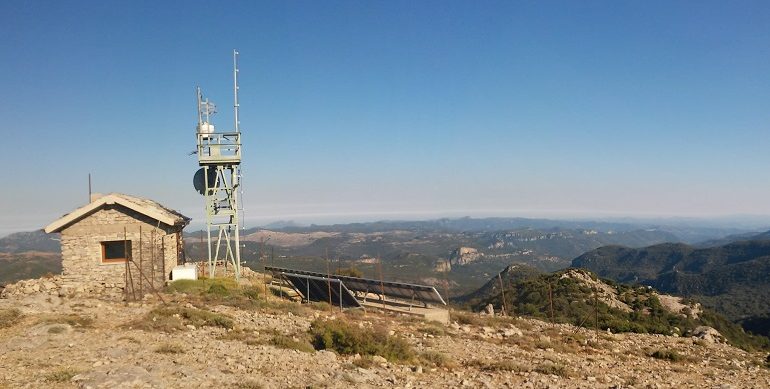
81,247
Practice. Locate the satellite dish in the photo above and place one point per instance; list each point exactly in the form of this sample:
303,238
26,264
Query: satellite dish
199,181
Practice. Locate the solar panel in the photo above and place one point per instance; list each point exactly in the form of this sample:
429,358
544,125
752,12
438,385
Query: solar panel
322,289
402,290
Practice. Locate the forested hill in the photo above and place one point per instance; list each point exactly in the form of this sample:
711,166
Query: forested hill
733,279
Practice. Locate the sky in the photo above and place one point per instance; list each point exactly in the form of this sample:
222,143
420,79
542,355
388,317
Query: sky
363,110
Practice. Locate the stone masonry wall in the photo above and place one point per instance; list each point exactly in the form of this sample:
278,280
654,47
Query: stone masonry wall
83,270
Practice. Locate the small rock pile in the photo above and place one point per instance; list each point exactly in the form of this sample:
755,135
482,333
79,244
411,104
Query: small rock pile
46,285
58,285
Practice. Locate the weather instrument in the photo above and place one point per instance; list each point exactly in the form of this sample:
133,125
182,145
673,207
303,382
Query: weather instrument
218,180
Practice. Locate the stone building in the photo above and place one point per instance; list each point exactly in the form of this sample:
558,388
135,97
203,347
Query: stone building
119,240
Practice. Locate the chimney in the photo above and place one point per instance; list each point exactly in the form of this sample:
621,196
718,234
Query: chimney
96,196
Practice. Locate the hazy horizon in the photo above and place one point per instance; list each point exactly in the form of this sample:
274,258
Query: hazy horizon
738,222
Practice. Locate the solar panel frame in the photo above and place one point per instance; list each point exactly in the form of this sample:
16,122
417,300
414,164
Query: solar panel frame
402,290
317,289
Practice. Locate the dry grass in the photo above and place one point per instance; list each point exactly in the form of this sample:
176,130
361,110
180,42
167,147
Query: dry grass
272,338
668,355
475,319
364,362
9,317
249,384
56,329
61,375
505,365
553,368
71,319
432,328
130,339
172,318
247,337
170,348
437,359
286,342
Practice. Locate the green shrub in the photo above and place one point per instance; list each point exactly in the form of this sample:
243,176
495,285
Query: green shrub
286,342
218,290
669,355
251,293
349,272
347,339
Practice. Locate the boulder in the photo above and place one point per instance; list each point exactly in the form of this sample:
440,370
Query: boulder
708,334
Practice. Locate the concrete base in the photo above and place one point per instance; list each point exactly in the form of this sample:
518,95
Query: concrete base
440,315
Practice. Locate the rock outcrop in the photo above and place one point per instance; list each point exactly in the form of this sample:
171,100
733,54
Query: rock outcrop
464,255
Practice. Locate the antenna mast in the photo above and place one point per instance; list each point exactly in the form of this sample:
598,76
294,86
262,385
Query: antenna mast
218,180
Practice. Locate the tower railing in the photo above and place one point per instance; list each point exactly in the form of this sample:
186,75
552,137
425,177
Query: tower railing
219,148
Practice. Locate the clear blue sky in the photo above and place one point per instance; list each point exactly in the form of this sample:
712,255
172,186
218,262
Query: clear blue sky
357,110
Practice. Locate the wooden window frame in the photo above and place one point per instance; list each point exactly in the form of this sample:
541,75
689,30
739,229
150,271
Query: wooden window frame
104,260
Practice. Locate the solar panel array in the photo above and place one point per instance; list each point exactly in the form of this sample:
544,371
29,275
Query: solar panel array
402,290
322,289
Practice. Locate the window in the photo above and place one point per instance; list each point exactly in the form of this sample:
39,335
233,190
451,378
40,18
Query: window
115,251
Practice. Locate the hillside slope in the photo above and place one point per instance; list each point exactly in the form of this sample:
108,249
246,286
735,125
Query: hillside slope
210,341
578,297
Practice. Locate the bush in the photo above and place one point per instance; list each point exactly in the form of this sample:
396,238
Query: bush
347,339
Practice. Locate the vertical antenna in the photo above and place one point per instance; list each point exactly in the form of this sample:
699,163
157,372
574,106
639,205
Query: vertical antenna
236,113
200,112
89,188
235,90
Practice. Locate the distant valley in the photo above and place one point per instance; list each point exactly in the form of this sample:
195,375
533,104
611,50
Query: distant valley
459,256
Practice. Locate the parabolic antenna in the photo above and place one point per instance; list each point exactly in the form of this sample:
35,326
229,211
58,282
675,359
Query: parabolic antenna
199,182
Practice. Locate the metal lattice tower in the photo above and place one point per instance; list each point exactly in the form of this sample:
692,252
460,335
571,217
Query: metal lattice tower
218,180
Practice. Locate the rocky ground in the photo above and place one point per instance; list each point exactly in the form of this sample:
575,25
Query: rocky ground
96,343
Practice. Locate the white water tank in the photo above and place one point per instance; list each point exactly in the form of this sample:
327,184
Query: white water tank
205,128
188,271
